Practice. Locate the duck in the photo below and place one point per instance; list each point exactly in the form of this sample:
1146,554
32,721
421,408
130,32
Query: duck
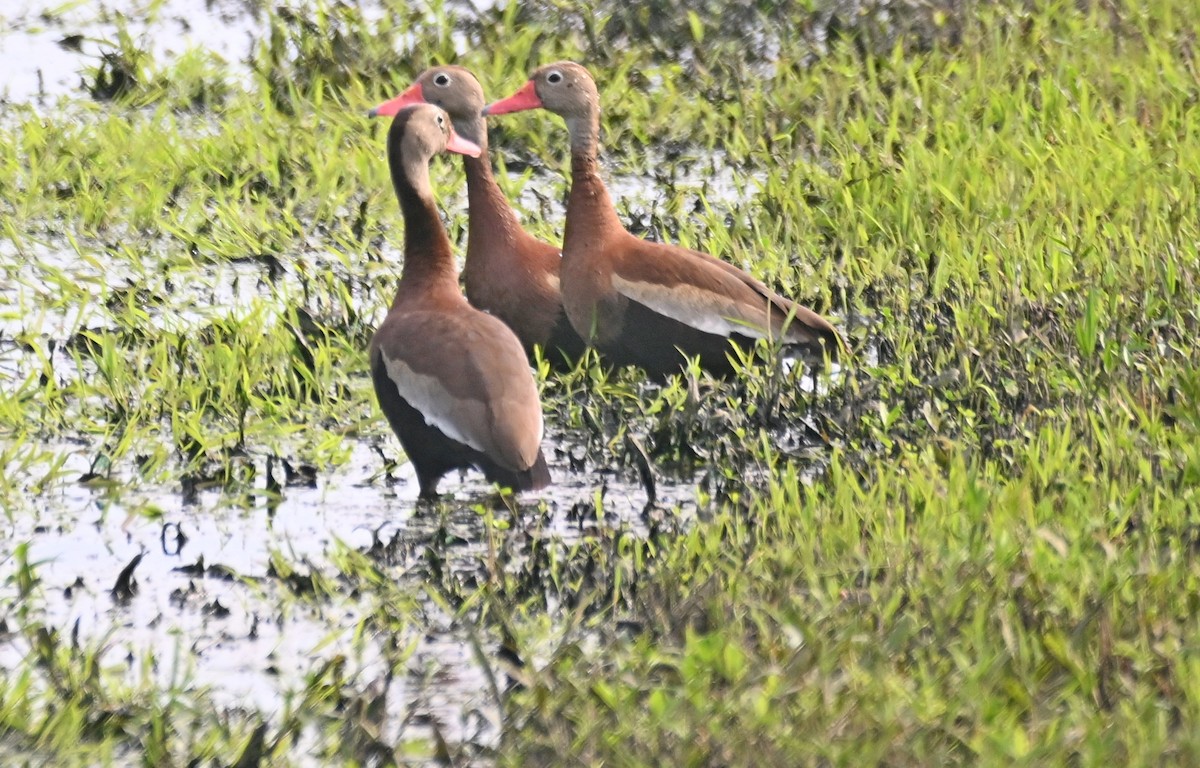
507,272
643,303
452,380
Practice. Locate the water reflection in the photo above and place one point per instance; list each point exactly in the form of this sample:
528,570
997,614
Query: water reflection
208,610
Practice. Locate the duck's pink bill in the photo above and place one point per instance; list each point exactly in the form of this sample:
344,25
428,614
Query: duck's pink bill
411,95
462,146
524,99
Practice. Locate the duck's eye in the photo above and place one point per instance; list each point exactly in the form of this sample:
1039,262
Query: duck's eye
554,78
442,79
441,121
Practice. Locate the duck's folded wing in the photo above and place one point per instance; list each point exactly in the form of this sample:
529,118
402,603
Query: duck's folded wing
468,377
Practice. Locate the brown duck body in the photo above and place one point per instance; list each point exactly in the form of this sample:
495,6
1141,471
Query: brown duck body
452,380
644,303
508,272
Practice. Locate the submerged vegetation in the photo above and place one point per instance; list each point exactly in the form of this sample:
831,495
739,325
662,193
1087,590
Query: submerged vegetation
975,543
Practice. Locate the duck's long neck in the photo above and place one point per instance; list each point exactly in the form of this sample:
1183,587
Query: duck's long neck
428,260
491,215
588,206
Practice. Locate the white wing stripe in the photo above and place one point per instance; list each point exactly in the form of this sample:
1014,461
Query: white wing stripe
427,395
696,313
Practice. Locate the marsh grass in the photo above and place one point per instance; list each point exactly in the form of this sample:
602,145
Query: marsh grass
974,543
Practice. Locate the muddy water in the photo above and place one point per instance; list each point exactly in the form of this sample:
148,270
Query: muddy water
228,634
46,46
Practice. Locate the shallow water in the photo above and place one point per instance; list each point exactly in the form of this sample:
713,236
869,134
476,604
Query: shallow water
48,46
226,633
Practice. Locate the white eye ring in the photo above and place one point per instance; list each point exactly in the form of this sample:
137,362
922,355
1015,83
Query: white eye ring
442,79
554,78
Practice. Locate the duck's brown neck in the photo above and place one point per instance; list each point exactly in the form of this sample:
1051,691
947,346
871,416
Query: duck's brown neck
490,212
588,205
428,260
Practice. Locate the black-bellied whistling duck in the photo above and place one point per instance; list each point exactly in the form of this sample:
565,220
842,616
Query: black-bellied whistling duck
640,302
508,272
452,380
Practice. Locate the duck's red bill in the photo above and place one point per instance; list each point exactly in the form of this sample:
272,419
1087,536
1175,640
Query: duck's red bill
411,95
462,146
524,99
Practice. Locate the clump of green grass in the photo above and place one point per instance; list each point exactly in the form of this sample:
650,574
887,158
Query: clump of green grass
74,703
943,609
989,565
